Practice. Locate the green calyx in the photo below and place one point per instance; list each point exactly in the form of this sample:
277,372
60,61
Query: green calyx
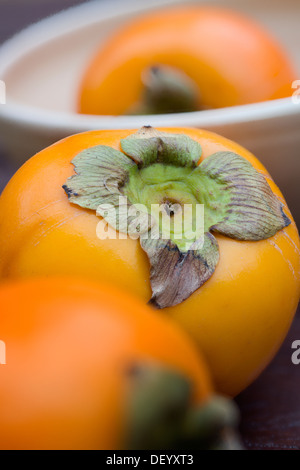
161,414
178,190
155,190
166,187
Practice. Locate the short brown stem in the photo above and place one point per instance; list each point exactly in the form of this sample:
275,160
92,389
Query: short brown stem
166,90
163,416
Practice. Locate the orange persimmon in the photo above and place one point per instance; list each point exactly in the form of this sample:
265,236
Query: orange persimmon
210,57
242,312
83,358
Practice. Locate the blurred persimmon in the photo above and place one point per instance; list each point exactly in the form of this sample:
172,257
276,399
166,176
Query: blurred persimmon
185,59
91,367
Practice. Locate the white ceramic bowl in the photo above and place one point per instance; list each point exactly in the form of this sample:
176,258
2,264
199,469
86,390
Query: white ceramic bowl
42,66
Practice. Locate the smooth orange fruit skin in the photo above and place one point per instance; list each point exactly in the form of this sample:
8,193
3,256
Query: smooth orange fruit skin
238,318
232,60
70,346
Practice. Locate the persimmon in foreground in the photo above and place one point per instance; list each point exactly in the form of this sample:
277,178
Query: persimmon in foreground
185,58
233,286
91,367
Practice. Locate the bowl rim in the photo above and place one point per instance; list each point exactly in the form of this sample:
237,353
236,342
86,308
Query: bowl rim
83,15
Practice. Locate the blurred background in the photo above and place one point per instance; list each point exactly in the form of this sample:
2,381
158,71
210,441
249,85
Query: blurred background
41,104
271,406
14,16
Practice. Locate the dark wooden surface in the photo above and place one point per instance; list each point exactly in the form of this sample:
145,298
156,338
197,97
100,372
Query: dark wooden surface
270,408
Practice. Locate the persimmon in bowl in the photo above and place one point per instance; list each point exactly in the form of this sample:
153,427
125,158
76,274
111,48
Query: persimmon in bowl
182,59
